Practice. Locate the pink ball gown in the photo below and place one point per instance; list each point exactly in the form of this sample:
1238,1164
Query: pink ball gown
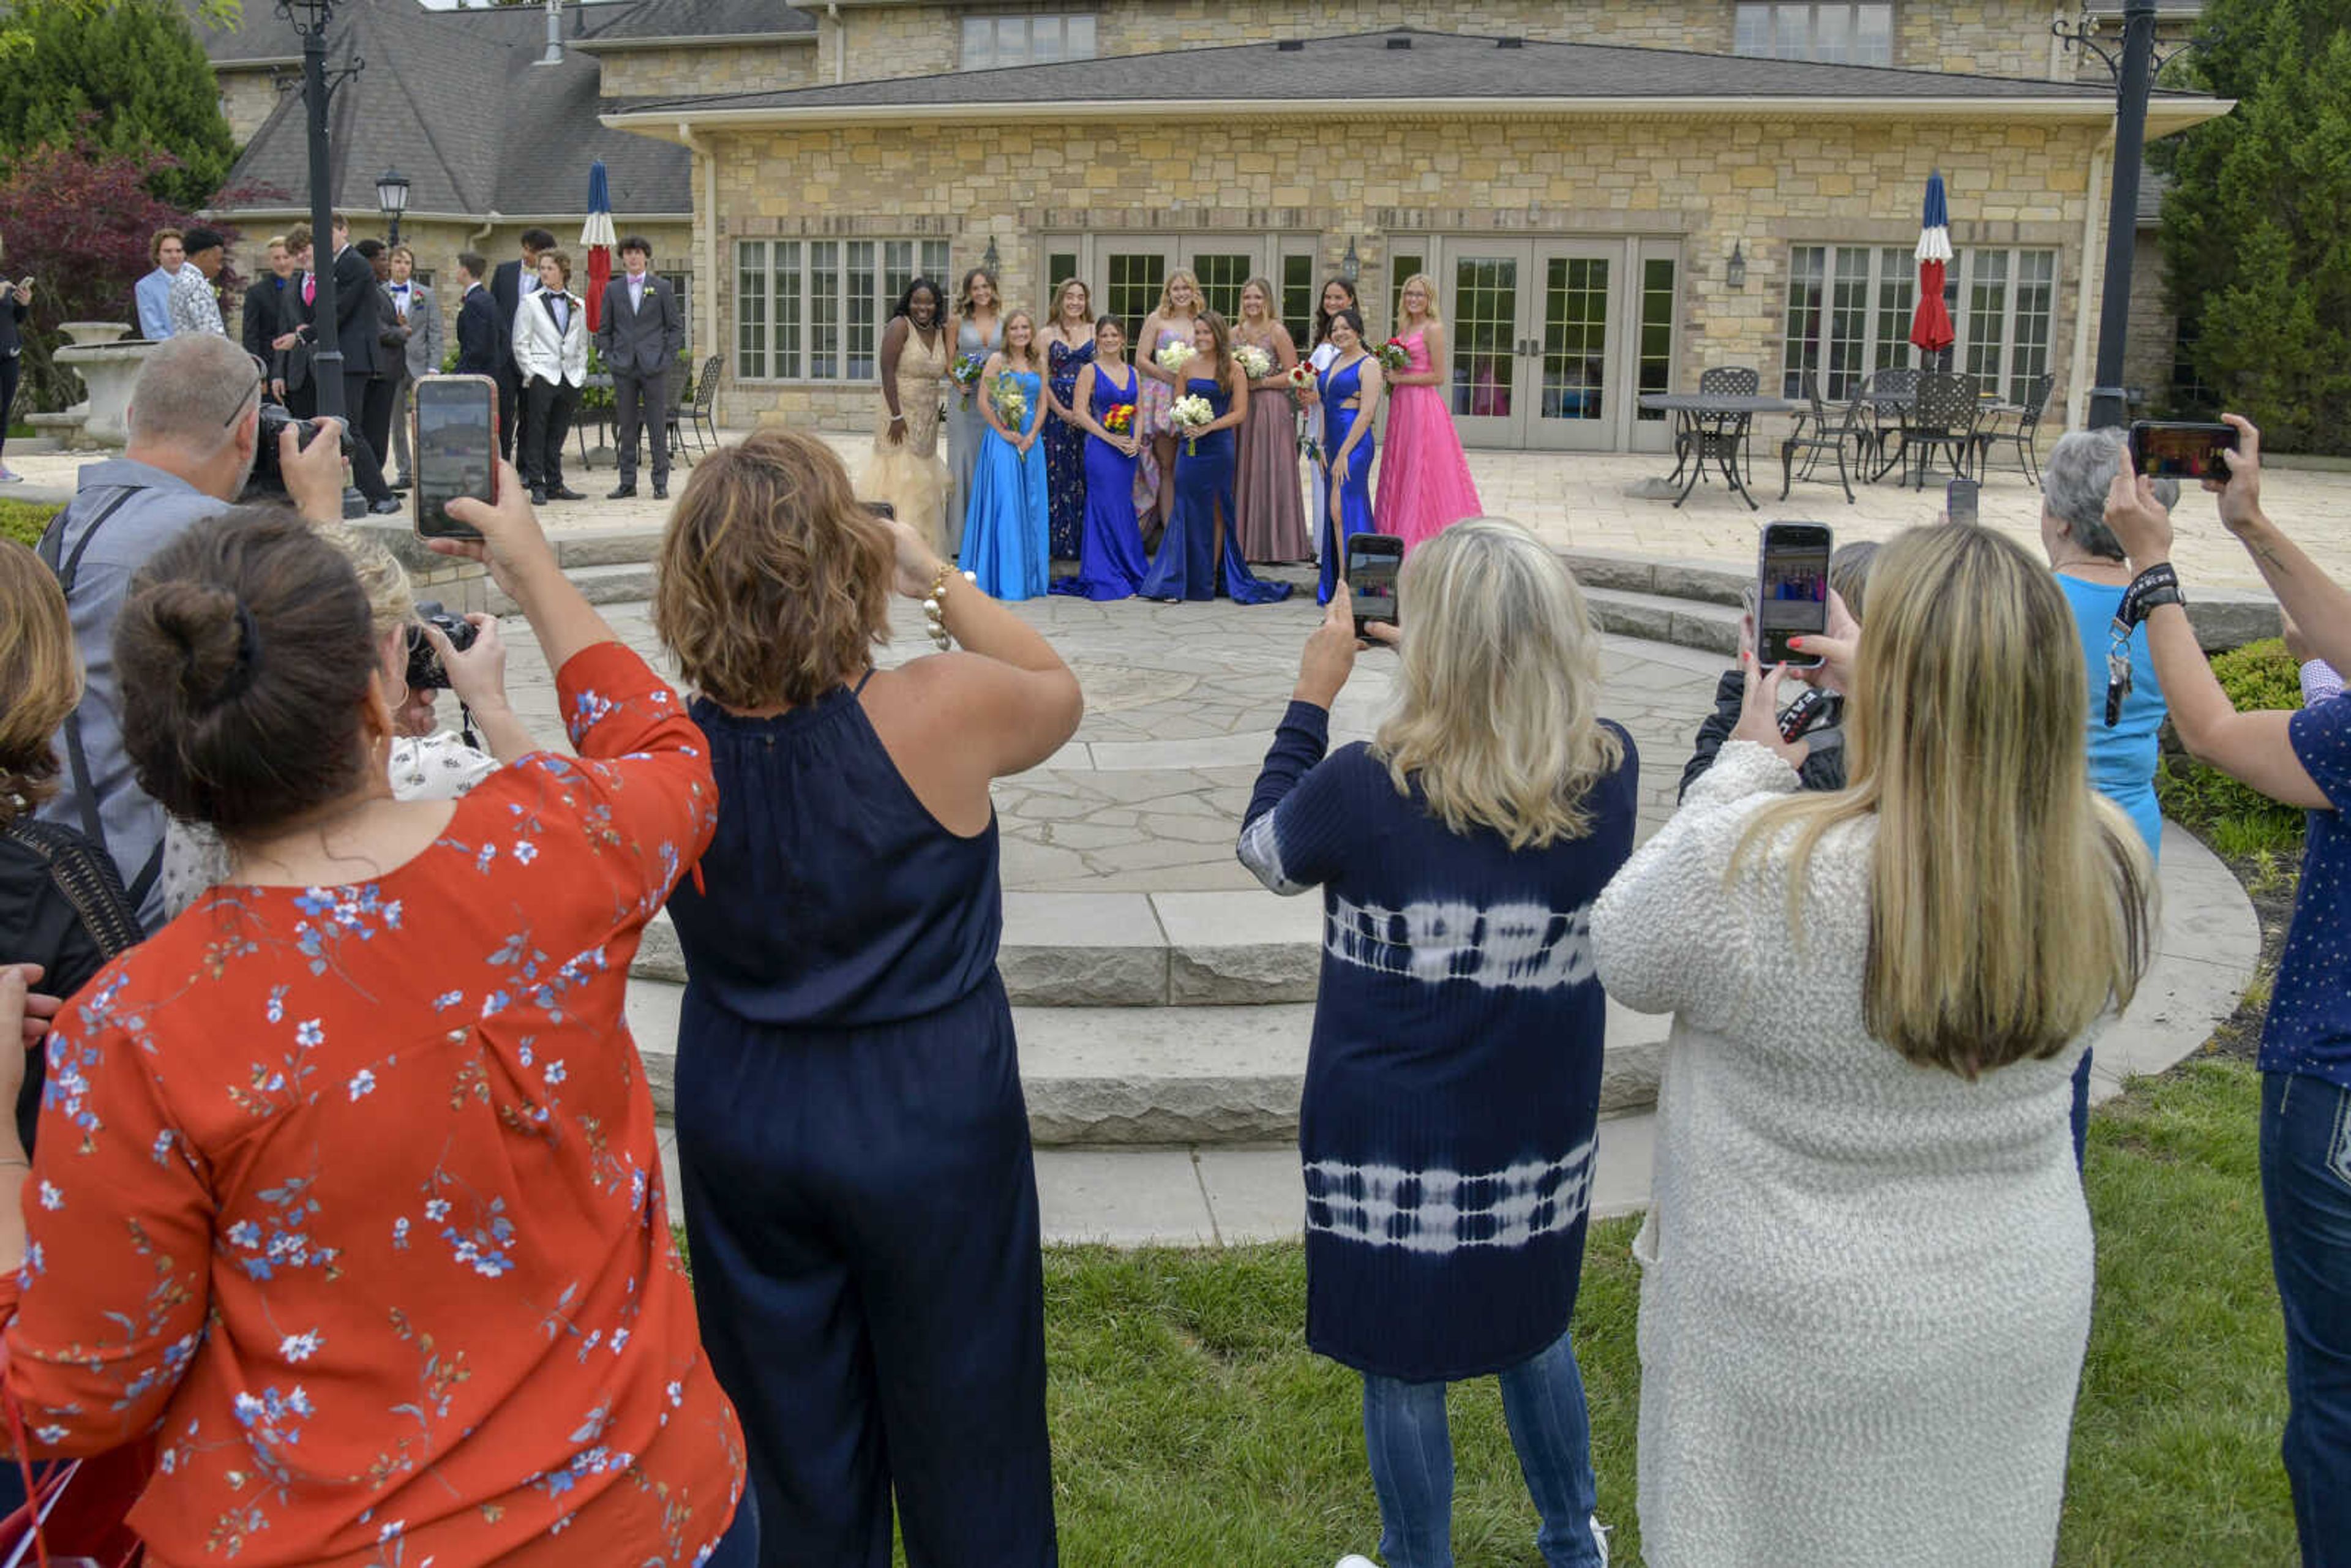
1425,484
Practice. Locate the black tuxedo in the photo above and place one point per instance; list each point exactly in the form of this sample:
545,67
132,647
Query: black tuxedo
356,325
292,365
373,413
506,293
296,369
478,337
259,325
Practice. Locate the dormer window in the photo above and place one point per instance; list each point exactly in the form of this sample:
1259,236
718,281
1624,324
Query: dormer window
1842,35
1038,40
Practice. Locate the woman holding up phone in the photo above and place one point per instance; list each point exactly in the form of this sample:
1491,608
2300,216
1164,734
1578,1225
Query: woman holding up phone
1453,1085
1866,1270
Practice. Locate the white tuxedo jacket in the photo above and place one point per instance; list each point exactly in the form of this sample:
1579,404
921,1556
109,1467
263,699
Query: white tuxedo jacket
540,351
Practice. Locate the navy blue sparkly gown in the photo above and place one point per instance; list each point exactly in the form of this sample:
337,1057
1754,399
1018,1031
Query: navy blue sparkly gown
1189,564
1065,451
860,1203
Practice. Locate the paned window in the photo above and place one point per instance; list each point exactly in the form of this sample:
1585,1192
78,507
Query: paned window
680,284
1657,330
1849,309
814,310
990,42
1299,291
1842,35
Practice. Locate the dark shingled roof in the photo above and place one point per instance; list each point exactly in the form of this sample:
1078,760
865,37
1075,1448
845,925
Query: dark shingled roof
1366,66
459,103
706,19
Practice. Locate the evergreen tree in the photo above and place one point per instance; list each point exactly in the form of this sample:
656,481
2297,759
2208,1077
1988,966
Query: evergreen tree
128,74
2257,226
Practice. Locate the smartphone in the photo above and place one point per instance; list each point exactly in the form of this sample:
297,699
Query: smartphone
1959,501
882,509
1792,597
2181,451
1373,561
453,431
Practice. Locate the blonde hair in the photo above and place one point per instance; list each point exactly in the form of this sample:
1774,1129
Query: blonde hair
1496,698
1186,275
774,580
391,600
2008,901
1265,287
1036,358
1431,318
40,678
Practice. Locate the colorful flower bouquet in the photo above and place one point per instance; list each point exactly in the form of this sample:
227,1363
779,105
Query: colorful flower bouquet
1301,390
1189,414
965,372
1255,362
1119,419
1395,356
1173,357
1011,403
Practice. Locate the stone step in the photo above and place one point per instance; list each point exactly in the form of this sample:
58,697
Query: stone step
1128,1076
1246,948
622,583
1658,618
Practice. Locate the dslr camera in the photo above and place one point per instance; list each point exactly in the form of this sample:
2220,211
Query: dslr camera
425,672
268,482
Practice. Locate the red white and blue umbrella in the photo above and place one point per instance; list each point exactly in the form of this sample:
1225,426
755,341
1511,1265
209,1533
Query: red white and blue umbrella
596,234
1930,322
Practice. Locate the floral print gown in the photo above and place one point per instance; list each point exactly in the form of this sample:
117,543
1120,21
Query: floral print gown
350,1195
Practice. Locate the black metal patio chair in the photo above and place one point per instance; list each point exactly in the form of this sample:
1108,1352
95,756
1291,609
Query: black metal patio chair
1821,430
1942,418
2026,435
1716,434
702,418
1886,396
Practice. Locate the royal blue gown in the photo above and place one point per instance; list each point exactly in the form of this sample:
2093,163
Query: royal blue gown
1111,563
1004,545
1065,451
1356,492
1189,564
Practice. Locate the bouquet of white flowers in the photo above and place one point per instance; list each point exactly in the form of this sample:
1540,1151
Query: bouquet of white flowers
1173,357
1189,414
1011,403
1255,362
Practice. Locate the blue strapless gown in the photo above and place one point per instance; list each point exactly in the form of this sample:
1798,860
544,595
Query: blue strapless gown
1190,565
1356,492
1004,543
1110,542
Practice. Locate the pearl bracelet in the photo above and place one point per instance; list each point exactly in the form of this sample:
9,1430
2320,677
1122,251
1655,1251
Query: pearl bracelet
934,607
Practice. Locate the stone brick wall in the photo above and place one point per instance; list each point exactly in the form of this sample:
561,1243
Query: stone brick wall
1991,37
729,67
2147,351
248,98
1708,184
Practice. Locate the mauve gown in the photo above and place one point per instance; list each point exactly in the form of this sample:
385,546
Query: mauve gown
1270,517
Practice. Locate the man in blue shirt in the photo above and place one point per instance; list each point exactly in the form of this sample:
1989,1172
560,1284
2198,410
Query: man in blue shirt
2301,758
154,292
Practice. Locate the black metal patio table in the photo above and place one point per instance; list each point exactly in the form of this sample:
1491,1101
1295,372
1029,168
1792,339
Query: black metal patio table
1712,424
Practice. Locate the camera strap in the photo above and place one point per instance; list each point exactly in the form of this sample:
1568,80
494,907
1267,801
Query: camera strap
2158,585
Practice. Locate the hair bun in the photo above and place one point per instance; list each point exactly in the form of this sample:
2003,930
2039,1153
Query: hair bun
202,625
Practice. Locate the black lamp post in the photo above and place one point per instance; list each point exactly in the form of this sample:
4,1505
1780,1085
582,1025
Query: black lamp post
392,198
310,18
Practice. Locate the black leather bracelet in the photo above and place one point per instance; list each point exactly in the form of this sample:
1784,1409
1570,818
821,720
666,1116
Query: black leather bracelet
2158,585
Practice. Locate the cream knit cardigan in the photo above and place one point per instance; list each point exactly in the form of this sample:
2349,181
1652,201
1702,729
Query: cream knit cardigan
1866,1285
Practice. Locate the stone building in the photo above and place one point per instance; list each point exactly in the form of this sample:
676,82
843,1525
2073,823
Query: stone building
1612,197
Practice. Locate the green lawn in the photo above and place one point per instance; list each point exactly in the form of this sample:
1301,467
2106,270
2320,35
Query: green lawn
1191,1426
23,520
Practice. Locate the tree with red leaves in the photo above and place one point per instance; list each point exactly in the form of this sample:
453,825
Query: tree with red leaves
79,219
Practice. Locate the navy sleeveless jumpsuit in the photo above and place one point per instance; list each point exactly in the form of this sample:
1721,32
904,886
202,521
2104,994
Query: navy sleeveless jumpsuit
861,1202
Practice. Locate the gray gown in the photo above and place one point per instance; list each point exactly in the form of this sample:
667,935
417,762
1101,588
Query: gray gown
965,427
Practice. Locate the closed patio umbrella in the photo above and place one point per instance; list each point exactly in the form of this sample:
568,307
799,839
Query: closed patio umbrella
596,233
1930,322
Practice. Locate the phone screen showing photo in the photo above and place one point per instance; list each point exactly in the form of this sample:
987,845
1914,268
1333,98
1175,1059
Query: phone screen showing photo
2182,450
456,451
1372,581
1793,601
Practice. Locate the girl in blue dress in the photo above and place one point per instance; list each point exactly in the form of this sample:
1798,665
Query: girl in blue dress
1004,542
1201,555
1110,548
1351,386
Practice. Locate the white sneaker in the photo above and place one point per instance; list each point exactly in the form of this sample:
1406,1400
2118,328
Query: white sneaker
1600,1538
1354,1560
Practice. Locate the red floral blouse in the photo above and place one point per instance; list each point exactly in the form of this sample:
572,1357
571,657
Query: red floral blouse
350,1195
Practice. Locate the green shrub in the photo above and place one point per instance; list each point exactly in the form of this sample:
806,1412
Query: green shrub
23,520
2236,820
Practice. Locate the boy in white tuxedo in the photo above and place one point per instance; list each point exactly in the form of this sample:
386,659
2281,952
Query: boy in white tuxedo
550,347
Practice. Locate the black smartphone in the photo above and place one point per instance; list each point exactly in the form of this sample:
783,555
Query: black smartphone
1373,561
1792,596
454,435
2179,450
1959,501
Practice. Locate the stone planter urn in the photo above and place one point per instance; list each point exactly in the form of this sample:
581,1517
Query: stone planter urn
108,367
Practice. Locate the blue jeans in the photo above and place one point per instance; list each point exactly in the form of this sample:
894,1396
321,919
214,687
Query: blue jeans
2306,1193
1412,1461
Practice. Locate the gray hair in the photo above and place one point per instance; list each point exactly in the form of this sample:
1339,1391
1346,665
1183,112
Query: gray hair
2081,469
181,398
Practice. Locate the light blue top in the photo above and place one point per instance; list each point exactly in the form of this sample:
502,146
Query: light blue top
153,294
2122,760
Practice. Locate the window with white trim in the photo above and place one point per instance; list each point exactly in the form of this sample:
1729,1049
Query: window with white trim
992,41
813,310
1842,35
1849,309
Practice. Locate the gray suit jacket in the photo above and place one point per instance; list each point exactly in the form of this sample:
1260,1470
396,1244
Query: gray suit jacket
644,341
423,332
